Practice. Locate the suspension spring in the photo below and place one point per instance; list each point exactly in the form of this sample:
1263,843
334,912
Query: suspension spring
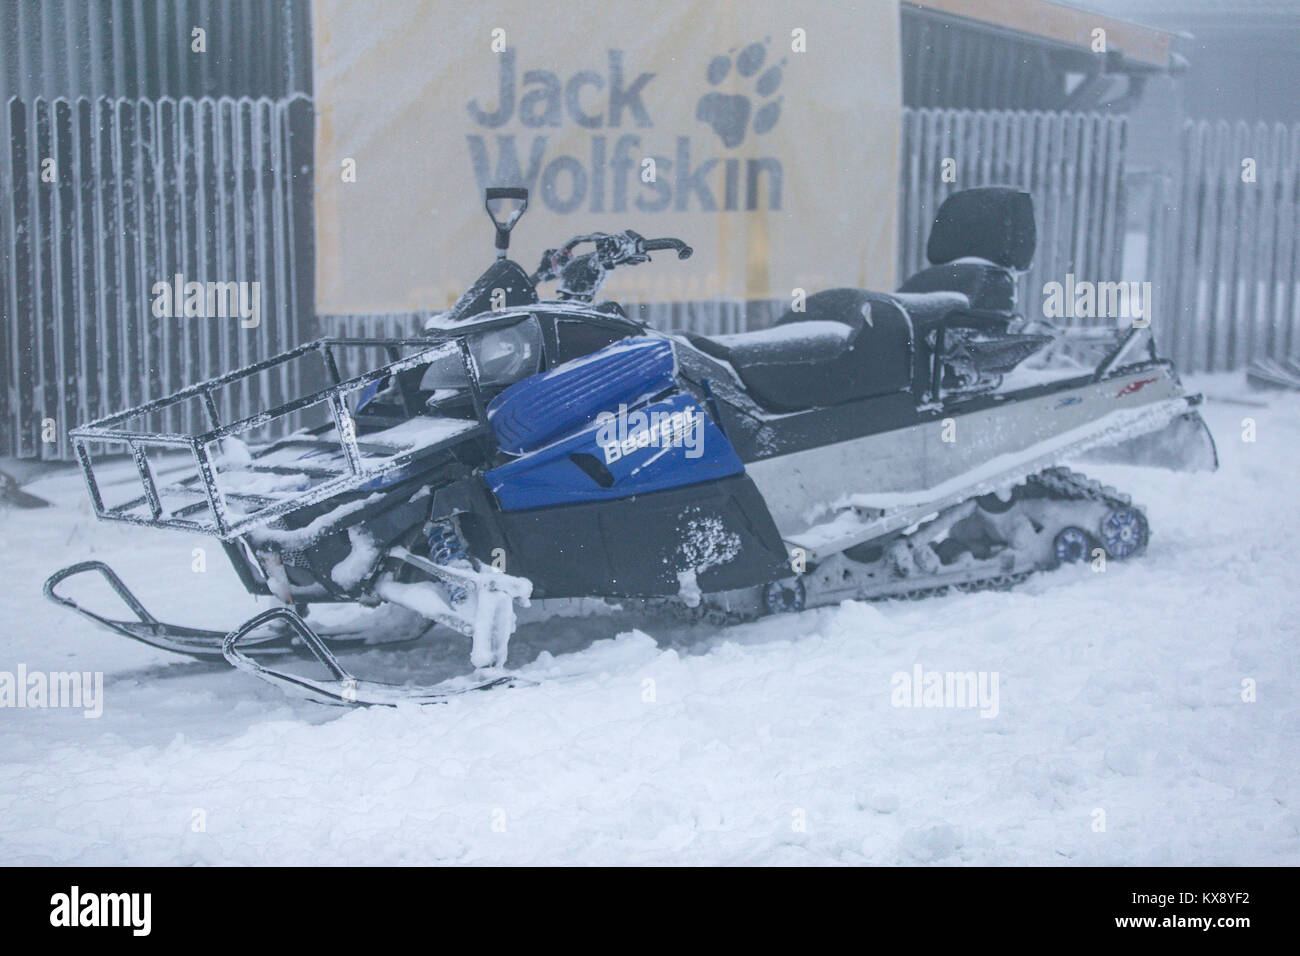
445,548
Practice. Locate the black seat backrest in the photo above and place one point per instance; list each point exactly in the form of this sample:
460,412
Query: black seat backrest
993,222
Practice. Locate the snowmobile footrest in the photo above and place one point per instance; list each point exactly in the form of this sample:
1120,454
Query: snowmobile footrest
341,687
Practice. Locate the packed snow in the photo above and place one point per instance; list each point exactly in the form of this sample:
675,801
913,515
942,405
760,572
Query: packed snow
1144,715
365,552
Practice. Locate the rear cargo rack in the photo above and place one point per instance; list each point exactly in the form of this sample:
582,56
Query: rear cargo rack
232,488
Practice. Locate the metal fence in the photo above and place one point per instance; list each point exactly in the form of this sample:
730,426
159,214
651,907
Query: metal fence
100,200
1228,247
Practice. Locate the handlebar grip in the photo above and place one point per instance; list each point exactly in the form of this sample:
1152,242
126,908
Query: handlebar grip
654,245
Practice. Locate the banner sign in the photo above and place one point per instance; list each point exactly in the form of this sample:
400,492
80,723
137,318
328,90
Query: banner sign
765,137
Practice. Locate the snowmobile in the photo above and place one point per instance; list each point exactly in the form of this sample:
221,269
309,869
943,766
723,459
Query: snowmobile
867,445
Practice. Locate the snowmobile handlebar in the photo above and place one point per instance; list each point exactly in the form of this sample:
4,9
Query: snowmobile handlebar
612,250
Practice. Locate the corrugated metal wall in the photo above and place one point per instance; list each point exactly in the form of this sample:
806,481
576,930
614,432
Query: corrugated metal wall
216,190
157,175
144,48
951,64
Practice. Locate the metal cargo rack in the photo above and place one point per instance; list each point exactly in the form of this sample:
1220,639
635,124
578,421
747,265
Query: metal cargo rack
310,465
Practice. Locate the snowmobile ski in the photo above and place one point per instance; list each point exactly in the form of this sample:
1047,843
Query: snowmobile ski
196,642
341,688
199,643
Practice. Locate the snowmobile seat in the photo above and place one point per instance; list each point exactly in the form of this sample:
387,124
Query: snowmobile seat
986,285
846,344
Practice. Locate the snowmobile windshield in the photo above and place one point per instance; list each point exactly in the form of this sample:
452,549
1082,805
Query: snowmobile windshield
503,355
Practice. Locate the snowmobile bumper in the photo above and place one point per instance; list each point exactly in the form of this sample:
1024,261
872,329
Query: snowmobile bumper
1185,444
194,641
341,687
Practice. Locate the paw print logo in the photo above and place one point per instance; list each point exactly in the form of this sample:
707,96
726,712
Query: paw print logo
729,113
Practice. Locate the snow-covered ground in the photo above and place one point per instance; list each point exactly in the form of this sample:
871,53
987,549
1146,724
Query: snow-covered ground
1121,734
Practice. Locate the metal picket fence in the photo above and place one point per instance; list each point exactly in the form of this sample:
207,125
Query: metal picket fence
100,199
1229,247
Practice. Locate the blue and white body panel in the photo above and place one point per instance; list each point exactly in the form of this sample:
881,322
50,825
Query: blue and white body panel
608,426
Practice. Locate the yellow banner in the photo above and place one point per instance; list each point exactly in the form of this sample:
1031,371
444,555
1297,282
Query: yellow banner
766,137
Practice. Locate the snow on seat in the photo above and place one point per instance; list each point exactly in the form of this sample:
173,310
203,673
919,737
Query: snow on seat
802,341
929,309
